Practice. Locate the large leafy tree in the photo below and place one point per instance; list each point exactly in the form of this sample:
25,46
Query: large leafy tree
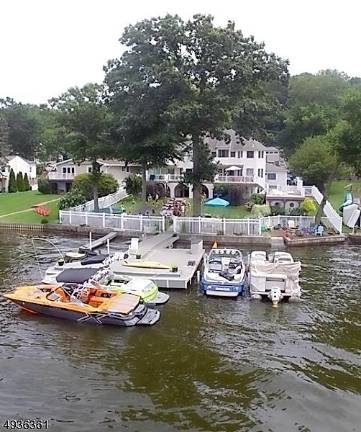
206,73
86,122
348,132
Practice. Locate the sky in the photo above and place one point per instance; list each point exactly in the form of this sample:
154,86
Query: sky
47,46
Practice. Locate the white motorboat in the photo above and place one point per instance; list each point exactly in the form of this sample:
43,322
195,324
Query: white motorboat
224,273
275,277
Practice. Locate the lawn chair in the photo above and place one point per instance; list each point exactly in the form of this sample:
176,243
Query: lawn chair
320,230
134,246
291,224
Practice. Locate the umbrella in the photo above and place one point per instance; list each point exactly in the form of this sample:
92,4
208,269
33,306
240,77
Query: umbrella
233,168
217,202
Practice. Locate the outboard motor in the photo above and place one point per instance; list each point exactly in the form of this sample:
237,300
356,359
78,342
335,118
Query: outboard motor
275,295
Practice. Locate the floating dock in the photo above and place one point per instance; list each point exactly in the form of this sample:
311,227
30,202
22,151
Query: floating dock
181,264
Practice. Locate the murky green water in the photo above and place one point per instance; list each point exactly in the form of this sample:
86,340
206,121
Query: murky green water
208,365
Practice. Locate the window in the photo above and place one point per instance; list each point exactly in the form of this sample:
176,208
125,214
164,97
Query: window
89,169
250,154
271,176
72,170
260,172
223,153
261,154
239,154
233,154
249,172
64,170
292,205
214,154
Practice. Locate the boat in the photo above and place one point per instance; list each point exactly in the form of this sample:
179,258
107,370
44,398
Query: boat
274,277
146,289
84,304
224,273
76,260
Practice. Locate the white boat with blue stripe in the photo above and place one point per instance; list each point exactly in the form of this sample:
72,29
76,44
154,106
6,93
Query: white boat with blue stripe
224,273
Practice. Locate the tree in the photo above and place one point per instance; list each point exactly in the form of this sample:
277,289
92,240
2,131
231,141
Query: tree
12,182
133,185
4,140
86,121
20,182
347,135
316,162
206,74
27,186
84,184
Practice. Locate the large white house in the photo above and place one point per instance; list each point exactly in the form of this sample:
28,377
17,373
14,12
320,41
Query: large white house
17,164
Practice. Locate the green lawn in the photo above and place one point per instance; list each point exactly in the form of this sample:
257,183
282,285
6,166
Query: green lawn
15,202
134,205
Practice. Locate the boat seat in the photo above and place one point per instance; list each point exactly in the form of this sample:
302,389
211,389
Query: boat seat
96,301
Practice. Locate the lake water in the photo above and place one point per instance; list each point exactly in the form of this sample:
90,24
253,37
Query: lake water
208,365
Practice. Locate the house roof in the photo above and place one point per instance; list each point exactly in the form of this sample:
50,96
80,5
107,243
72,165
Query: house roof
271,167
11,157
272,149
236,142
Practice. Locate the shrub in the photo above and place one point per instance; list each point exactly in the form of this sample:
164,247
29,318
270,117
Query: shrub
219,190
44,186
133,185
296,211
309,206
258,198
27,186
277,210
12,182
84,184
260,210
72,199
20,182
44,221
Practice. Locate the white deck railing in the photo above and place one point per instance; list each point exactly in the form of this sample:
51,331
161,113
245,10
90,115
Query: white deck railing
138,223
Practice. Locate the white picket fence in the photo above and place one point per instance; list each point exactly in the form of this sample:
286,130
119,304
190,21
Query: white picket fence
334,220
138,223
283,221
104,202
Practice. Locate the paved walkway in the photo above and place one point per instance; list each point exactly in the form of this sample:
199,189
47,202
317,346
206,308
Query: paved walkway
29,209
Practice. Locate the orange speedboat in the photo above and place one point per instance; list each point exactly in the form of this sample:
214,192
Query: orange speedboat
84,304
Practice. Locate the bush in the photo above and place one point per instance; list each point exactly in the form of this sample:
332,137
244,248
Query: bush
296,212
309,206
277,210
258,198
20,182
219,190
260,210
44,186
133,185
72,199
84,184
27,186
12,182
44,221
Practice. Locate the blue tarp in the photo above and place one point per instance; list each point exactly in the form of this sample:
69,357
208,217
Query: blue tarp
217,202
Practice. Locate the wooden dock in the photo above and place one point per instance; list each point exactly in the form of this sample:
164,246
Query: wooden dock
94,244
160,249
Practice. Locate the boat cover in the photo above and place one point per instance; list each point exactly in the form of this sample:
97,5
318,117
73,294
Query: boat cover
79,275
94,259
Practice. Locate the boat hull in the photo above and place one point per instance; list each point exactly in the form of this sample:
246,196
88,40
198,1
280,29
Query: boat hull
222,290
140,316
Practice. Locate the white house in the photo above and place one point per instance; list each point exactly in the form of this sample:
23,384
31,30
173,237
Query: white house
62,174
18,164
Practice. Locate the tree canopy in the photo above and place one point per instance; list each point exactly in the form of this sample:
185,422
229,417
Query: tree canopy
207,75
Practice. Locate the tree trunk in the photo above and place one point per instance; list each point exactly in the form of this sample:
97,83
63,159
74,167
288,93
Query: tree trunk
96,175
197,187
320,211
144,184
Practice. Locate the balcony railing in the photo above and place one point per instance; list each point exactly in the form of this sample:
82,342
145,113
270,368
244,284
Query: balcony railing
234,179
288,191
165,177
54,175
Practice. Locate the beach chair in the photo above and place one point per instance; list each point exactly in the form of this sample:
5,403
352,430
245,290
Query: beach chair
320,230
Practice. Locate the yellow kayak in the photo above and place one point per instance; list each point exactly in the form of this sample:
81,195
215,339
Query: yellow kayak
147,264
